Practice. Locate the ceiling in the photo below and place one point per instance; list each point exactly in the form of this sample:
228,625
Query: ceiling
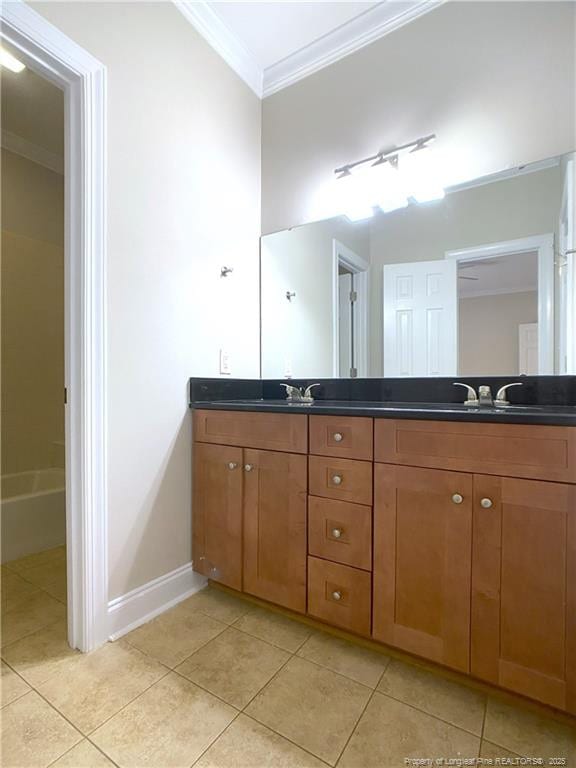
274,44
32,117
504,274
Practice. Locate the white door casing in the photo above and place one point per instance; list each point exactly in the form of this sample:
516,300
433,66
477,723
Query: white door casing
420,319
528,349
57,58
341,255
567,274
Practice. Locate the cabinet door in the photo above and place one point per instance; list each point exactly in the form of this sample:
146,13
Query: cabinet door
524,587
217,513
422,562
275,527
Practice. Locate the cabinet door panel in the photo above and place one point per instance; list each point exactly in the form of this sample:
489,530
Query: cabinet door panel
275,545
217,513
422,562
523,599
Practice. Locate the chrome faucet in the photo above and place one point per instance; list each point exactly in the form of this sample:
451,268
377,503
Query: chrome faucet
299,394
484,397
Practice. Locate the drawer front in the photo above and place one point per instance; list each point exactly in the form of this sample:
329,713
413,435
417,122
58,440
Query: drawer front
342,479
509,450
339,595
347,436
268,431
340,531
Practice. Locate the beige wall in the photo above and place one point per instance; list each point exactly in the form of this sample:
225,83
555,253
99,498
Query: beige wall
488,332
32,314
183,199
494,80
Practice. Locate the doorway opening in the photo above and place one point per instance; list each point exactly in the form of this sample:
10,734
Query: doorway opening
350,317
32,278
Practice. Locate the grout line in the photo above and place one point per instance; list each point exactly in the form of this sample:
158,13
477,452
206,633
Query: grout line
236,716
355,726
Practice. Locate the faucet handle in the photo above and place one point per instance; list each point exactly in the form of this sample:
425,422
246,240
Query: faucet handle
501,394
292,392
472,398
308,391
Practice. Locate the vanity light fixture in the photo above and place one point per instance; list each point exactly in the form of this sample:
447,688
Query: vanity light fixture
388,183
10,62
353,195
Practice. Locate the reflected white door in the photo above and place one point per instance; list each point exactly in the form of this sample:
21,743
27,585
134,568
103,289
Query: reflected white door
567,275
421,319
345,324
528,349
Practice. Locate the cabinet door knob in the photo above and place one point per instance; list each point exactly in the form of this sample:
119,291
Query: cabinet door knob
457,498
338,437
248,467
337,479
232,465
486,503
337,532
336,595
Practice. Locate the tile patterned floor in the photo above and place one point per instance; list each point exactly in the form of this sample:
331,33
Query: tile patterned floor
219,683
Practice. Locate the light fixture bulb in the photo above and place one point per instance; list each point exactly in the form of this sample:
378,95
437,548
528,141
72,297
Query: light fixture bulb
388,185
10,62
353,194
422,175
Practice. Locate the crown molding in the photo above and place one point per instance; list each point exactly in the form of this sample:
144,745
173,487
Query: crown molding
371,25
216,33
340,42
20,146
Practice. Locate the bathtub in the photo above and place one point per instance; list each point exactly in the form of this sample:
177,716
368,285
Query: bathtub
33,512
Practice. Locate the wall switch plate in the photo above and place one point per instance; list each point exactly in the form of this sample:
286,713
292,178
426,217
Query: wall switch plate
225,362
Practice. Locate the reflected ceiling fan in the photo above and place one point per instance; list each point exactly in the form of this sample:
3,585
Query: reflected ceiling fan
474,265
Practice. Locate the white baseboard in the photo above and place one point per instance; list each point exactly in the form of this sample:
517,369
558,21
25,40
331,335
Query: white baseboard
129,611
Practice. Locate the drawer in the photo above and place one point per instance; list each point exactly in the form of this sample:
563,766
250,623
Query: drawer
343,479
347,436
339,595
340,531
269,431
510,450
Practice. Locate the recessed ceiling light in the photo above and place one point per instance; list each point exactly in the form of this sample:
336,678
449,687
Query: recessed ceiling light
10,62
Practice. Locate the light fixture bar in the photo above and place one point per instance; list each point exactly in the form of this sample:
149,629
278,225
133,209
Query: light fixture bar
411,145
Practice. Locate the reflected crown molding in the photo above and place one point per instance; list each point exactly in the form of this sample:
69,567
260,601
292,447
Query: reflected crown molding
376,22
21,146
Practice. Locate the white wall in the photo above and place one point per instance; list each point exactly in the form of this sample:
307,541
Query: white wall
299,333
183,200
488,332
494,80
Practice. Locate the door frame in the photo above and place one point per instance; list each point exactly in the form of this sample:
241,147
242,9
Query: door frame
54,56
360,268
566,258
544,246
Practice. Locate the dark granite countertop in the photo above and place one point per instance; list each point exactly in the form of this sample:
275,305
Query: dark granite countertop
513,414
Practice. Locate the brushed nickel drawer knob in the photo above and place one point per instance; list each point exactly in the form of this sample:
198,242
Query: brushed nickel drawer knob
336,595
338,437
337,532
248,467
486,503
232,465
337,479
457,498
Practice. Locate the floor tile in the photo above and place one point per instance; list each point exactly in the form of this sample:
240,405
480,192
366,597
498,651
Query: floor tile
42,654
12,685
354,661
494,752
33,614
169,725
39,558
15,590
434,694
274,628
218,605
391,732
98,684
248,744
313,707
34,734
527,733
234,666
59,590
176,634
53,572
83,755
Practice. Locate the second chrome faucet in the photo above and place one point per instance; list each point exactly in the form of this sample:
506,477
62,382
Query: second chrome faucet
484,397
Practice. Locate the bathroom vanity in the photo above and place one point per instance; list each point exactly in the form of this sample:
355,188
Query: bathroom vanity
443,531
